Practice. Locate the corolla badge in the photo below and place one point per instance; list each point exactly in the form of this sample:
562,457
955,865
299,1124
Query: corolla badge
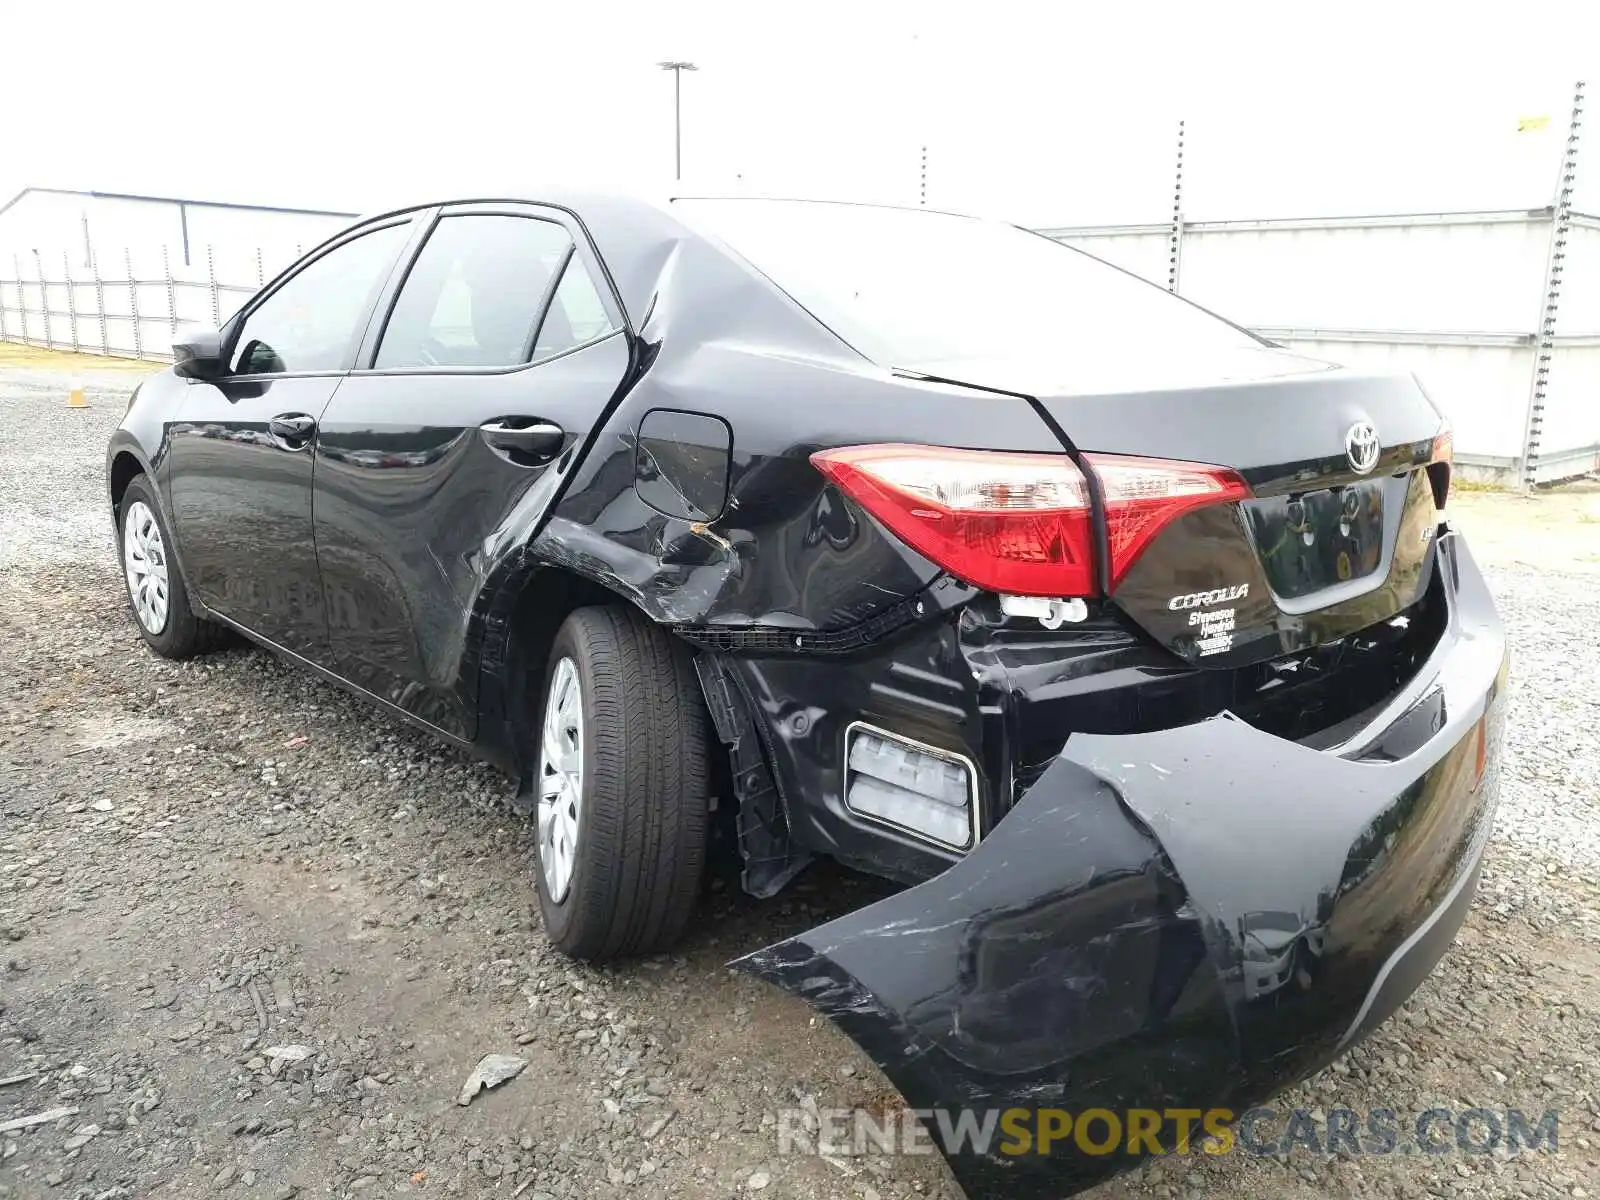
1361,444
1213,627
1215,596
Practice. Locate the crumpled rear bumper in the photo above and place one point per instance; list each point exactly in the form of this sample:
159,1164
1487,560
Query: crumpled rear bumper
1189,918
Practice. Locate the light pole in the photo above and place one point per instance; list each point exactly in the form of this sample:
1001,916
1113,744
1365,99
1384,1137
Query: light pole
677,68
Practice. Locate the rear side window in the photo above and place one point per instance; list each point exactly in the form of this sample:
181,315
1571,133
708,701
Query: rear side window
576,314
912,288
313,321
476,294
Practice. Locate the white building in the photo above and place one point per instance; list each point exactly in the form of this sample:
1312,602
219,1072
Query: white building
60,230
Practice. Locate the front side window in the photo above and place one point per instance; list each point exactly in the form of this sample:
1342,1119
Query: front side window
313,322
475,294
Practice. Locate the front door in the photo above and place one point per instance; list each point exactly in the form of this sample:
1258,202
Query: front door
497,356
241,450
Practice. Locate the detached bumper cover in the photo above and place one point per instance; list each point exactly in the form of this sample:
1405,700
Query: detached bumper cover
1195,917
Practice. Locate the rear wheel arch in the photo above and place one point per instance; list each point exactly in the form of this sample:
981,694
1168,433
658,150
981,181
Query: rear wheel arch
621,838
545,599
520,628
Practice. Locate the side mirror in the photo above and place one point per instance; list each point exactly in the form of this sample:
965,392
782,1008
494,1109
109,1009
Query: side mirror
197,353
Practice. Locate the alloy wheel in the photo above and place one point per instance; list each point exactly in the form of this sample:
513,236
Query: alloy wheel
561,779
144,558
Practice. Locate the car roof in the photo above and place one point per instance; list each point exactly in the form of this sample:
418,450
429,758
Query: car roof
578,197
560,195
634,231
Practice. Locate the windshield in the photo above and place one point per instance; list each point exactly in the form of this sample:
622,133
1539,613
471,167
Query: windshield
910,288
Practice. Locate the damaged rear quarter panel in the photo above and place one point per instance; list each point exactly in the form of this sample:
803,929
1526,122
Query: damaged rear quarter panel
786,550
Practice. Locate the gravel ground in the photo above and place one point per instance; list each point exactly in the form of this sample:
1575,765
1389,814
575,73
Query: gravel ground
255,936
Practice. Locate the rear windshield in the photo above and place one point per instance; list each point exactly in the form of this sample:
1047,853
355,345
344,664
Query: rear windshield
910,288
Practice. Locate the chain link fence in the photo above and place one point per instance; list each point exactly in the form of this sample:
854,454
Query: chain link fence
114,309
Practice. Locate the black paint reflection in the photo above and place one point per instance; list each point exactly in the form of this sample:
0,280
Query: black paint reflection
241,508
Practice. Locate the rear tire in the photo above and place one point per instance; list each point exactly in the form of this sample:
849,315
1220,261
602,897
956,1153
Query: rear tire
157,598
622,791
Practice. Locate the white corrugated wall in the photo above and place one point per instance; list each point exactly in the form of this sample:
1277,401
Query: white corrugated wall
1454,298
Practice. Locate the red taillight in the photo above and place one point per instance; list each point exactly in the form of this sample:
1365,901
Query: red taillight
1440,463
1016,523
1144,495
1022,523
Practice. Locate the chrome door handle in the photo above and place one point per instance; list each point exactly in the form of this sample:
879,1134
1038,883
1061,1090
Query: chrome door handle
537,439
292,430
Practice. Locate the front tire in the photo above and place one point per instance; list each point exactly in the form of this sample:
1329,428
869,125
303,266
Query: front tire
157,598
622,787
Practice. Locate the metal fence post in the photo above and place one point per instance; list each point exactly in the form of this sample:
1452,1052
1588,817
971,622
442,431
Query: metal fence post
1175,237
44,302
22,303
172,295
216,300
1555,262
72,300
99,302
133,304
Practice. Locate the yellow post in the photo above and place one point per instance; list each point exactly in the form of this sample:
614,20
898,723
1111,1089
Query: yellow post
75,394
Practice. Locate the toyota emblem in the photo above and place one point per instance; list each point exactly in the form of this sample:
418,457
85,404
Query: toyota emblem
1361,444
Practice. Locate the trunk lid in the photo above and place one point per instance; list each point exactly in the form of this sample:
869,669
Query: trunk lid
1321,550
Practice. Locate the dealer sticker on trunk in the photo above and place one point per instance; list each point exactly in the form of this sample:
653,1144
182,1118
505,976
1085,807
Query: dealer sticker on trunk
1216,631
1213,626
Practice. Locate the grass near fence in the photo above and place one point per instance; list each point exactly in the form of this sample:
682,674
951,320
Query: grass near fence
14,354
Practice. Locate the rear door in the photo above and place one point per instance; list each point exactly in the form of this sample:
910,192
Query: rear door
495,355
240,459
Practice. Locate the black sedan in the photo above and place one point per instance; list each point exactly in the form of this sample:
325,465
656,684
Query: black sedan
1137,648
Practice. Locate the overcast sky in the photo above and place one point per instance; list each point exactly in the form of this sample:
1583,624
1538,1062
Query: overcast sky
1050,113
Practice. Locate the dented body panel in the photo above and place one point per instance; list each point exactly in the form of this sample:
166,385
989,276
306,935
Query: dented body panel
1191,917
1223,817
